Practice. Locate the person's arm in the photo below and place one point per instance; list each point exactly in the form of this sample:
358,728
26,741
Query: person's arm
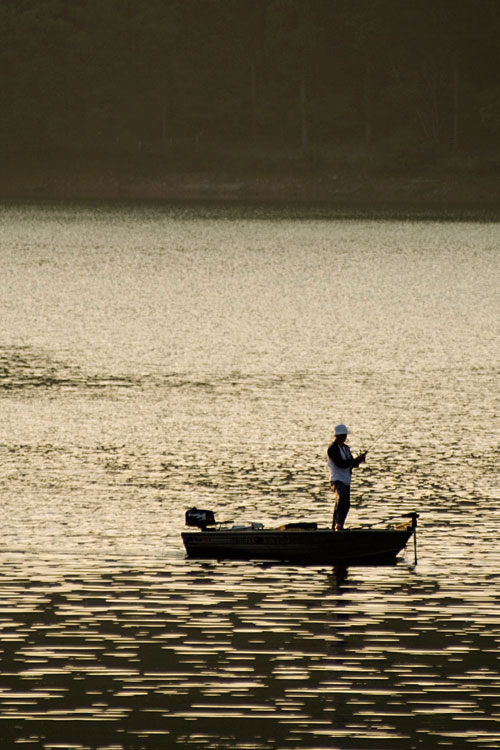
359,460
344,463
335,455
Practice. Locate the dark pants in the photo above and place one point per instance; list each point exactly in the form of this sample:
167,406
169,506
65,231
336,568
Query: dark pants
342,504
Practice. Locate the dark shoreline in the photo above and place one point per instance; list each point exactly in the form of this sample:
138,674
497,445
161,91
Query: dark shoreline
412,195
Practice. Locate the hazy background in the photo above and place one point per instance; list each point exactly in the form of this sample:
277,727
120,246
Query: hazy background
377,84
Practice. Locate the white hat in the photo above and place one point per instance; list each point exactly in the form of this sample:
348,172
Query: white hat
341,429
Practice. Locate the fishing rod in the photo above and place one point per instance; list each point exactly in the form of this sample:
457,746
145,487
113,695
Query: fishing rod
386,429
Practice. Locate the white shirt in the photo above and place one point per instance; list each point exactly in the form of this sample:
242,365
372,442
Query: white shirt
338,474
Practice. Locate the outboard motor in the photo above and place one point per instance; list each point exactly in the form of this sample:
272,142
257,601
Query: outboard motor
200,518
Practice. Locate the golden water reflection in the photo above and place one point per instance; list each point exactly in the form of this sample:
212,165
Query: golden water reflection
153,358
208,655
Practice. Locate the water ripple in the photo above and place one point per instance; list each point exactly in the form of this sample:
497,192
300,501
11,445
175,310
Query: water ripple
154,358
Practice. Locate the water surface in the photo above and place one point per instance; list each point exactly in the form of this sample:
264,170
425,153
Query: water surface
157,357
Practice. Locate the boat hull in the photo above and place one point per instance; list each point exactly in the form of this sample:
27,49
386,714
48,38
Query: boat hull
363,546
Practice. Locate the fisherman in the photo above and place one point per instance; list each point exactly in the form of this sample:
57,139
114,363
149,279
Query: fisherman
341,463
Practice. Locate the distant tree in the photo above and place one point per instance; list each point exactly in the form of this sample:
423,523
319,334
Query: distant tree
433,57
366,29
292,45
244,49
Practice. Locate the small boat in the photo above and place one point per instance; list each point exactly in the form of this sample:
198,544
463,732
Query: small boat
296,541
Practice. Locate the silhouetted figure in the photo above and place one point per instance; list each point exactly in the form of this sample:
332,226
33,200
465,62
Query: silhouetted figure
341,462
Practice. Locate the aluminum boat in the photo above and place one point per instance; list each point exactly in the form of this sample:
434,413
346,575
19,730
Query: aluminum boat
296,541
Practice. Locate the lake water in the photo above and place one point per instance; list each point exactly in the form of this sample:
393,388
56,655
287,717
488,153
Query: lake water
158,357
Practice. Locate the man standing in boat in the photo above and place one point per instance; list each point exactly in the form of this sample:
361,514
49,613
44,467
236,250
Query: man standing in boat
341,463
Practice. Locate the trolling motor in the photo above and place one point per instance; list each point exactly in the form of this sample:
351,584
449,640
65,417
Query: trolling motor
200,518
413,517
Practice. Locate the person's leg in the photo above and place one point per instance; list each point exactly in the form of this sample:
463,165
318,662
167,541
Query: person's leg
335,504
342,504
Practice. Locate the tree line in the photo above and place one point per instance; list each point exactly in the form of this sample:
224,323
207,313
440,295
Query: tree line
186,76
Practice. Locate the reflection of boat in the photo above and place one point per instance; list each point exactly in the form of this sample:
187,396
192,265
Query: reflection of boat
302,542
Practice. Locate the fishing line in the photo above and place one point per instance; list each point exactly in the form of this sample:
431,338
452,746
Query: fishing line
386,428
393,421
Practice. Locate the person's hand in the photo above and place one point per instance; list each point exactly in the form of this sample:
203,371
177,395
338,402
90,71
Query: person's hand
362,457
